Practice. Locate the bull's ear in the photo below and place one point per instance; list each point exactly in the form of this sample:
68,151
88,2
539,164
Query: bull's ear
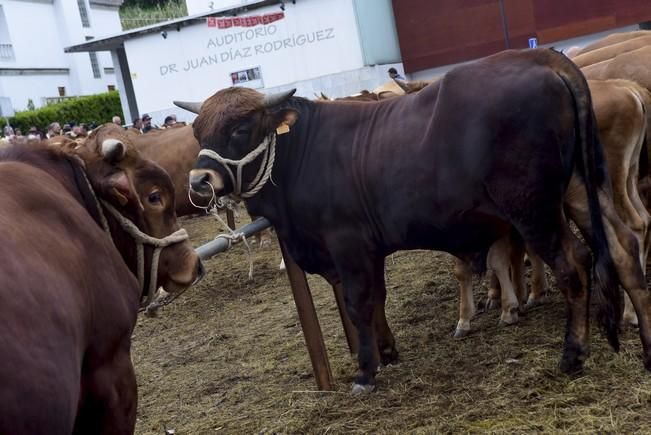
285,117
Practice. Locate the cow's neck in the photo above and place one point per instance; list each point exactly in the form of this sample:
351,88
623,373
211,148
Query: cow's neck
269,202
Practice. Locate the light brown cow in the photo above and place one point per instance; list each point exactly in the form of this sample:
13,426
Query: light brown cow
609,52
613,38
622,119
632,65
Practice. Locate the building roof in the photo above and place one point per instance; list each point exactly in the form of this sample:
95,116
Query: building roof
115,41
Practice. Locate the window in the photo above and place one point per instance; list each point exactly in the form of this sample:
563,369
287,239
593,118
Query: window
111,88
6,49
251,78
94,63
62,91
83,13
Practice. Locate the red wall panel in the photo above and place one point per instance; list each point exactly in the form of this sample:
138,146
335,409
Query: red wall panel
438,32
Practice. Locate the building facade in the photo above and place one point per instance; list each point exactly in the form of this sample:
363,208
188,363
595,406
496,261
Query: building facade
33,65
335,47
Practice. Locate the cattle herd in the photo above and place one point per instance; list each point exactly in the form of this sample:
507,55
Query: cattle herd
488,162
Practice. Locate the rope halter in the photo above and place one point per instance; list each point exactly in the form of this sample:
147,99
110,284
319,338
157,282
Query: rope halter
268,147
142,239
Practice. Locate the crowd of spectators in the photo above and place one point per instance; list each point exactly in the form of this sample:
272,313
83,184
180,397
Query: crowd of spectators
75,130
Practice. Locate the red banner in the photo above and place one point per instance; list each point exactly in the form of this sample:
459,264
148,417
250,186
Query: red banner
250,21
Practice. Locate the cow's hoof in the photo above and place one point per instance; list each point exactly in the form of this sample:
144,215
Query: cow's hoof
151,311
630,320
572,362
389,356
534,302
360,390
647,362
509,317
460,333
492,304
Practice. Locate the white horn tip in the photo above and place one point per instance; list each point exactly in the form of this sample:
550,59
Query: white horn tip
112,149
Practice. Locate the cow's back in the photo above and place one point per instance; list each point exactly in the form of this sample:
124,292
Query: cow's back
613,38
611,51
632,65
59,287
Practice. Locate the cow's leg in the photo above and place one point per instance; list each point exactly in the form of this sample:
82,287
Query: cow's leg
624,250
540,221
494,291
109,396
362,277
517,268
386,342
467,310
538,282
499,260
570,262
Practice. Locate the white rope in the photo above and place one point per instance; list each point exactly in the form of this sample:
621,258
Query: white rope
213,207
268,147
142,239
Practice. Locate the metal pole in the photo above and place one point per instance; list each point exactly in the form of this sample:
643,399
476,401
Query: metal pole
220,244
505,25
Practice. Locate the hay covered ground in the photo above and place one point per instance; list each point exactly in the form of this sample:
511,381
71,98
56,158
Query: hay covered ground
229,357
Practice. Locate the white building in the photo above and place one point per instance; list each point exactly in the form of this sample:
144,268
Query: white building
333,46
33,65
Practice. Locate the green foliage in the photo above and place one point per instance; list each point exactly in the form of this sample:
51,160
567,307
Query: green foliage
30,104
92,109
139,13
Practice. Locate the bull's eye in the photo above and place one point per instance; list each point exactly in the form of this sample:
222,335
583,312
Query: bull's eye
240,131
154,197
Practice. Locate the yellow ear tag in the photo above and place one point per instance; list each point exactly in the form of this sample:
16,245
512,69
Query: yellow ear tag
282,128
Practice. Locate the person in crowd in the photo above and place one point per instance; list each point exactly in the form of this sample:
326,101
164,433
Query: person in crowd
117,121
137,124
54,129
33,133
170,120
393,73
146,123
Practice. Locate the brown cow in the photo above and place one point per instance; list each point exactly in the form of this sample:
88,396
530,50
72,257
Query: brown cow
609,52
613,38
632,65
622,119
69,298
480,150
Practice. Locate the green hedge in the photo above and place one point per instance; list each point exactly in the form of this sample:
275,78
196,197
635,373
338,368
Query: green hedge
96,109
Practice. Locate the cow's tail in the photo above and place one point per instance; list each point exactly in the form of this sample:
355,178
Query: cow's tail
592,168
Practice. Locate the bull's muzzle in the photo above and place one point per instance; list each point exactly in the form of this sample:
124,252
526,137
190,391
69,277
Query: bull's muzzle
205,182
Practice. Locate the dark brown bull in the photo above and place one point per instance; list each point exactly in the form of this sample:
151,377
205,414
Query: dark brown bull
69,296
451,168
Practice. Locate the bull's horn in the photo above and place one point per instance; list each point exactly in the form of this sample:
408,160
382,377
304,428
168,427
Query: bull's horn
403,85
113,150
194,107
275,99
